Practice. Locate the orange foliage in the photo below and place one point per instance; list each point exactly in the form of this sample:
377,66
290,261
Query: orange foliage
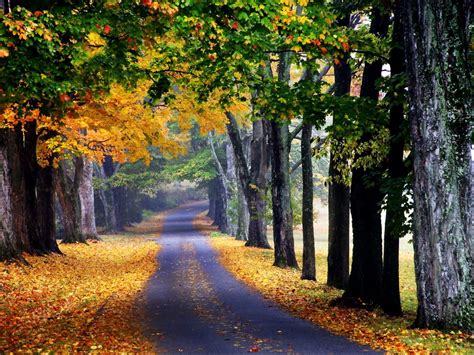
311,300
122,126
80,303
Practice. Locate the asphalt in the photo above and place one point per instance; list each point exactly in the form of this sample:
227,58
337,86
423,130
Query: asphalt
192,304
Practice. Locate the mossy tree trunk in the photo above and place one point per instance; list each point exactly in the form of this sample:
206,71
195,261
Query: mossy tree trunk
440,91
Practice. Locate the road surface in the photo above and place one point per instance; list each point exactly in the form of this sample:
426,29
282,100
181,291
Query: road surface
193,304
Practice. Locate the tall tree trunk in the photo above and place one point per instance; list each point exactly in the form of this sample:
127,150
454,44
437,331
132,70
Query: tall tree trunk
244,214
233,209
86,195
281,196
9,248
254,182
391,303
309,261
70,205
365,280
339,193
437,44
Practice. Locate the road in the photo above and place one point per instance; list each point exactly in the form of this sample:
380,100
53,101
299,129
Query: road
193,304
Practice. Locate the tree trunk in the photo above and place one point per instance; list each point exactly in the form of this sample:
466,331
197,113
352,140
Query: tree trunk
70,205
254,182
107,199
18,191
225,191
86,195
45,217
339,193
391,303
281,196
309,261
365,280
437,44
9,248
244,215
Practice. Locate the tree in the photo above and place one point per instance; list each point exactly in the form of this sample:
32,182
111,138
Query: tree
309,257
365,278
339,192
394,219
437,44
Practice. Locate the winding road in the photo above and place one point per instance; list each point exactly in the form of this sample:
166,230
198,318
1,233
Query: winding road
193,304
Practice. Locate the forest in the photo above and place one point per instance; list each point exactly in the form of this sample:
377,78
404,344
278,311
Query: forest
332,141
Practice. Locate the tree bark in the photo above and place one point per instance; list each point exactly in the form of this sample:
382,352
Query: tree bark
254,182
70,205
225,192
391,303
437,44
86,195
9,249
365,280
339,193
309,256
107,199
17,190
281,196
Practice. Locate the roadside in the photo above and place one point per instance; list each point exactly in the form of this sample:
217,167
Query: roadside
310,300
85,301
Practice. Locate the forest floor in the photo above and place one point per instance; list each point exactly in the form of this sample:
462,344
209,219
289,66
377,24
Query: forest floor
311,300
87,300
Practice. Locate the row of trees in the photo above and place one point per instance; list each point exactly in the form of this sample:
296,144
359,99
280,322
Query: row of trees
292,67
277,59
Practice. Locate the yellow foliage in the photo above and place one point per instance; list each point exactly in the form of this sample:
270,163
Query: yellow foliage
80,302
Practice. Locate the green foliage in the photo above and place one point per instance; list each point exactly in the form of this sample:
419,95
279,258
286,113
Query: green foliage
198,168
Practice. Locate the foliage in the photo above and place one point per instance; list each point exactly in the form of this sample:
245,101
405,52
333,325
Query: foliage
83,302
311,301
198,168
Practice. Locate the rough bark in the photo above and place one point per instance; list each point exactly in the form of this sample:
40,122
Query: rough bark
309,256
338,192
68,197
391,303
86,195
437,42
365,280
254,182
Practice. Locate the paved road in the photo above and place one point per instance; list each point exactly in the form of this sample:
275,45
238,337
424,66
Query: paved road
194,305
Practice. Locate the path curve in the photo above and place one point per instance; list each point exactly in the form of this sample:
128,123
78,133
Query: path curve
193,304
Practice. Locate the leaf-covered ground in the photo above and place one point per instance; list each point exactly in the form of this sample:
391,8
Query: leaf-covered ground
310,300
86,300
